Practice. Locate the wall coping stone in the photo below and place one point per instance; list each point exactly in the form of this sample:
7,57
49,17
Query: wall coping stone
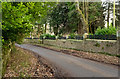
86,40
101,40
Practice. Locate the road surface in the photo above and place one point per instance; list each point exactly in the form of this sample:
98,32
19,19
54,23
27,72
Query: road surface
76,67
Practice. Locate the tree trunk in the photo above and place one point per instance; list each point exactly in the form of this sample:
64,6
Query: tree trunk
82,18
55,29
108,15
114,14
83,6
80,28
45,27
86,12
38,34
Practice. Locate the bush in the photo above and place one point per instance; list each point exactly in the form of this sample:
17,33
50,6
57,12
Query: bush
90,34
59,36
52,36
106,31
47,36
72,36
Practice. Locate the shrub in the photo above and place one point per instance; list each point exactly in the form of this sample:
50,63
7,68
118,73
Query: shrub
59,36
90,34
47,36
72,36
52,36
106,31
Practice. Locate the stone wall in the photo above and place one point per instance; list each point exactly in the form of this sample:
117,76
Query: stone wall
32,41
118,40
107,46
92,45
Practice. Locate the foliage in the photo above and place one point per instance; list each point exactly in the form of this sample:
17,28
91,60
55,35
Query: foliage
96,16
90,34
15,21
106,31
72,36
64,17
18,19
40,11
47,36
118,14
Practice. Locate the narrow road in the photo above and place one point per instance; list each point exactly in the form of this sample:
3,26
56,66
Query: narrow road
76,67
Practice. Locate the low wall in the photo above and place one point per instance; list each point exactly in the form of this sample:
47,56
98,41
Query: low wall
107,46
32,41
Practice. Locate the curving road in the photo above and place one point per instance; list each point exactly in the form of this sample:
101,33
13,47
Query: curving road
76,67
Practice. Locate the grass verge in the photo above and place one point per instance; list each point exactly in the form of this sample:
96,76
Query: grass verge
24,63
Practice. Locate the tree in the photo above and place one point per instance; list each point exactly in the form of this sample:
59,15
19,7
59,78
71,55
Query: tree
66,19
18,20
39,15
15,26
15,21
83,19
108,14
117,13
112,8
43,9
114,13
58,17
96,16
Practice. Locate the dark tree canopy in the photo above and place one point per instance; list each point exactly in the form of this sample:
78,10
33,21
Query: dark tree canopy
64,18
